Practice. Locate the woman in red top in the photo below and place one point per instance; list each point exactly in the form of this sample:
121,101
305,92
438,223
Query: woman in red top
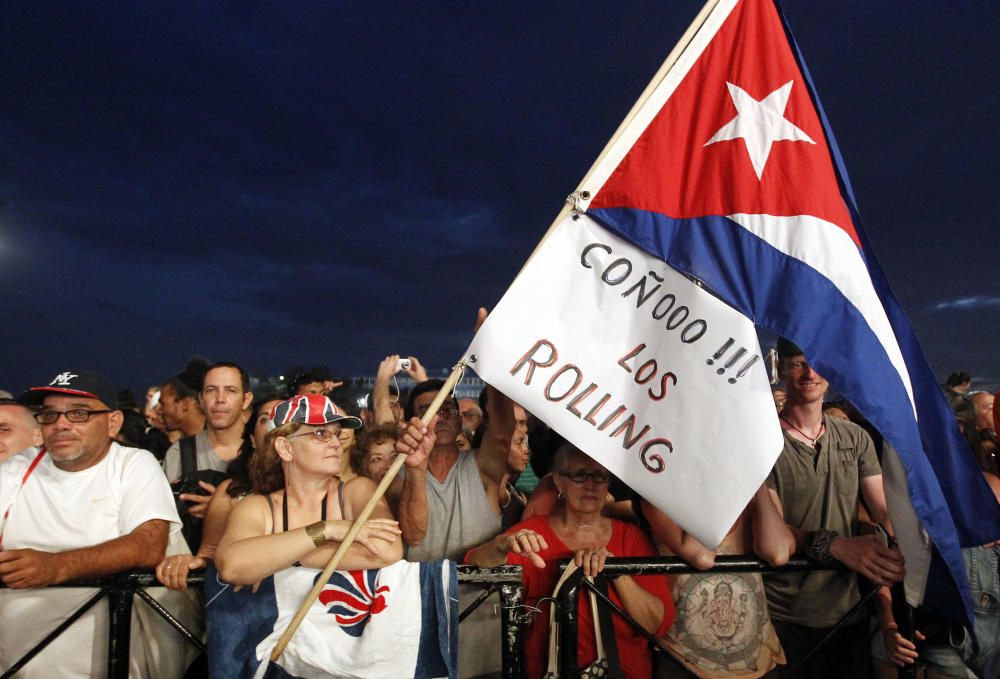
576,528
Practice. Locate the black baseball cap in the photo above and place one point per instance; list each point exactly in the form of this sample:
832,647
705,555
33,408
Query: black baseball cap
74,383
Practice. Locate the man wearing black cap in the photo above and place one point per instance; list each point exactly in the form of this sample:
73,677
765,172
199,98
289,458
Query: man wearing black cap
824,466
84,507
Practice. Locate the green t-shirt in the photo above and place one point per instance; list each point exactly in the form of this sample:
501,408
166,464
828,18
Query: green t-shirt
819,490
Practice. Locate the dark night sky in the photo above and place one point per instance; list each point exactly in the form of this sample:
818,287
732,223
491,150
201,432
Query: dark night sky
316,182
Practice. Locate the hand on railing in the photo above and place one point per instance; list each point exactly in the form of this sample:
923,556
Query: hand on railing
173,571
24,568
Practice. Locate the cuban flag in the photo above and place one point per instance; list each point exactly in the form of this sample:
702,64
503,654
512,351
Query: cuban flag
393,622
728,171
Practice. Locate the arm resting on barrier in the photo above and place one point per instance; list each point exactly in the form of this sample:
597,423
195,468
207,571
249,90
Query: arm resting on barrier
143,547
863,554
647,609
173,571
666,532
248,553
773,541
494,552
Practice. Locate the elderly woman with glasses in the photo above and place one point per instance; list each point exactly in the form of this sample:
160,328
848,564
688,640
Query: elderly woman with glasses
300,511
577,529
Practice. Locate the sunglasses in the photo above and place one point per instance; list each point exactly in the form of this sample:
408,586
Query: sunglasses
321,435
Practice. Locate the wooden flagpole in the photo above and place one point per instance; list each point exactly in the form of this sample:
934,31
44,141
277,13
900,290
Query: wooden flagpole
664,69
456,372
359,521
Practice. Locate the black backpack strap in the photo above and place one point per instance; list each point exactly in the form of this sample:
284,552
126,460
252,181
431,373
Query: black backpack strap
608,630
189,456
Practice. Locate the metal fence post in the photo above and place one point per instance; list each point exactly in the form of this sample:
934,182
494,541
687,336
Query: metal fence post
566,614
120,593
511,622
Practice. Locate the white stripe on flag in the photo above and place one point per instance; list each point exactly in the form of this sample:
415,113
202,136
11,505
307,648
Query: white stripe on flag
828,249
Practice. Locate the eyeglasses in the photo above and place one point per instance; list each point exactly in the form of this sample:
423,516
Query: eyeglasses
77,415
581,476
321,435
448,410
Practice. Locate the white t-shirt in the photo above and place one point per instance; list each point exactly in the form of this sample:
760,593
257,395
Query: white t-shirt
55,511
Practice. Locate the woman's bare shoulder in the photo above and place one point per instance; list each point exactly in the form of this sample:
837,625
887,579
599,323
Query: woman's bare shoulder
253,507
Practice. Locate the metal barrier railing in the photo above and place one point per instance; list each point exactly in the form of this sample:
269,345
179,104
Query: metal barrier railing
504,580
566,601
121,588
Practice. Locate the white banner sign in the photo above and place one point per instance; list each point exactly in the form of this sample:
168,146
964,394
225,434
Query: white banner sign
641,369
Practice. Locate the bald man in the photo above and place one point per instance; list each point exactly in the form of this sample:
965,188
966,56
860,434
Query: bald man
18,429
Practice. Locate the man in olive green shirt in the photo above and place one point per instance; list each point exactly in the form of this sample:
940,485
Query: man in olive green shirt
826,464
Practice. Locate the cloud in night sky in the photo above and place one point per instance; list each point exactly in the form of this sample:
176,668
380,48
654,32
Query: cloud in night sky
327,183
973,303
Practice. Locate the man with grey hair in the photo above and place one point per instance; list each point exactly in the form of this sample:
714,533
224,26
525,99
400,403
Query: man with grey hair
982,401
18,430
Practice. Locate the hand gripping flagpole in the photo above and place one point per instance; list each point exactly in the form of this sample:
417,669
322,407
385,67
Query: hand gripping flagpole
359,521
576,200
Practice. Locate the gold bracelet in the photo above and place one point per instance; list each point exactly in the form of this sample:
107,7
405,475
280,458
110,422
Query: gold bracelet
317,533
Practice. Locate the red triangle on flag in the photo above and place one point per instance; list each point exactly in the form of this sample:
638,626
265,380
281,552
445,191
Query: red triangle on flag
673,168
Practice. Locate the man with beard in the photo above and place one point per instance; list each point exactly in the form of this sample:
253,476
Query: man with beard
83,507
196,464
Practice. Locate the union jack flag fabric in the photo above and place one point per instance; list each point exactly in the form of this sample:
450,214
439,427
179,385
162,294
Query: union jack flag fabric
393,622
353,597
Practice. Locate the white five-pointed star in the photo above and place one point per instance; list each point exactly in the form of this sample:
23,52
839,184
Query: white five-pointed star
760,124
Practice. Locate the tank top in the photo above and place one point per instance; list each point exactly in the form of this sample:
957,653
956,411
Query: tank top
459,514
284,510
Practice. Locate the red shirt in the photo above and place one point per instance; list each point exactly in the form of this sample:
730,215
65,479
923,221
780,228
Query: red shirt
633,651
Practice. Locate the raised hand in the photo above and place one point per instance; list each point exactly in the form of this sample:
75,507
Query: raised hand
526,542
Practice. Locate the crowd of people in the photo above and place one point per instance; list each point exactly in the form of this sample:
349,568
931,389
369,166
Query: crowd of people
209,476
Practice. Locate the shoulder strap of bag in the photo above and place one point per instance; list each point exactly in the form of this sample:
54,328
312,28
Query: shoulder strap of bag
604,630
189,456
552,670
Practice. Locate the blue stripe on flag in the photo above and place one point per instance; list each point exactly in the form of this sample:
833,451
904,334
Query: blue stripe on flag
235,623
437,655
941,442
787,297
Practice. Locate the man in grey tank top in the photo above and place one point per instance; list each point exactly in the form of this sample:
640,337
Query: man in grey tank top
450,503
